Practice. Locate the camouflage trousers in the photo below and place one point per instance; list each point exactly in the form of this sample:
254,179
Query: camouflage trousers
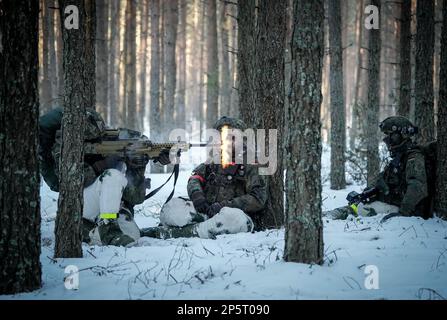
180,214
364,210
105,222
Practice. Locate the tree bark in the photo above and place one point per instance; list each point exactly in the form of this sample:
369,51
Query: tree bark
304,227
225,85
114,52
181,91
338,113
102,58
441,201
246,58
271,37
372,112
59,58
144,6
212,70
170,40
79,83
20,268
46,85
405,59
131,68
423,87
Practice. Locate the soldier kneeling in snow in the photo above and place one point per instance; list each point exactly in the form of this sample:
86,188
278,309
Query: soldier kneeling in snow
406,186
224,199
112,185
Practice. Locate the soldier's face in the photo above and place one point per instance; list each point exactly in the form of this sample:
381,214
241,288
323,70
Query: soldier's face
392,139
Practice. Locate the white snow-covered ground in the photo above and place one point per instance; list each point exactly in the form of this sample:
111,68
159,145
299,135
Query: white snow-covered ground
410,255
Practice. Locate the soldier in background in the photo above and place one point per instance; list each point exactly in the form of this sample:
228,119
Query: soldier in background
224,199
402,188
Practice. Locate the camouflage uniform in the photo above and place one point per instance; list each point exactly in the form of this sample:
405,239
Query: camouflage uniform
98,180
403,183
236,186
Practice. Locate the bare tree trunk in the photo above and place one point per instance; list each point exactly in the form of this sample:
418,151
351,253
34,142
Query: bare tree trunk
234,108
441,201
131,67
144,6
423,88
79,79
20,268
246,59
270,94
59,57
405,59
372,112
225,85
201,69
46,85
338,113
52,72
114,52
170,40
355,117
304,227
212,70
181,92
101,57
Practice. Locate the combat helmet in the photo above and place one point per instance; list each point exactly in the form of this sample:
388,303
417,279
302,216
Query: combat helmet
95,126
398,124
231,122
398,131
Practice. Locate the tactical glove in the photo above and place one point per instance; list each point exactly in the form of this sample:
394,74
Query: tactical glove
199,201
163,158
214,209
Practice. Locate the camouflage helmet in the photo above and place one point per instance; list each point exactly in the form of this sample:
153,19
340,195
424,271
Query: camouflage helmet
398,124
94,125
231,122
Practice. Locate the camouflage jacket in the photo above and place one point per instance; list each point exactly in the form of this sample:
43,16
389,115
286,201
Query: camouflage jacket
238,186
404,183
50,141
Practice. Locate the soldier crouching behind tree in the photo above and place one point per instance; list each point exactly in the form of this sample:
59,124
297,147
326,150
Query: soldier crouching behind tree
404,188
112,185
225,199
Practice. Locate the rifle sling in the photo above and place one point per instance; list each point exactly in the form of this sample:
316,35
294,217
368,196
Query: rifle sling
175,172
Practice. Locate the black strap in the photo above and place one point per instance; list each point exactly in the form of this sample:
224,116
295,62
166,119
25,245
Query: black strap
175,173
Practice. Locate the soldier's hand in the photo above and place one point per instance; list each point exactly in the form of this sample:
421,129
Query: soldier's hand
214,209
199,202
163,158
109,162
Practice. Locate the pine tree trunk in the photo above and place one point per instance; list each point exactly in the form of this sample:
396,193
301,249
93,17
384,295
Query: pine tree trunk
441,200
59,58
46,85
144,6
304,227
114,52
131,67
52,72
181,42
170,40
270,97
355,117
225,85
20,268
79,83
338,113
246,58
372,112
423,87
234,108
212,70
201,68
405,59
101,57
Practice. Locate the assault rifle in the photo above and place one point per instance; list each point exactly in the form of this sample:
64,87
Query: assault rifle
354,198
